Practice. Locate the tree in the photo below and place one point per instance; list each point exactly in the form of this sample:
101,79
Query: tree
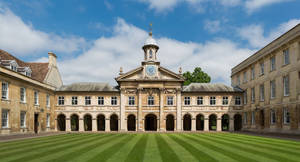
198,76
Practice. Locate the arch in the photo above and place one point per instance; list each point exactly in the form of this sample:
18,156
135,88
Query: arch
187,122
74,121
131,122
114,122
87,120
170,122
237,122
61,122
212,122
101,122
150,122
200,122
225,122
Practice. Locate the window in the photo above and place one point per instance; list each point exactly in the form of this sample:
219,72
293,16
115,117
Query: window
245,77
262,68
252,73
225,100
150,100
286,86
262,92
253,118
213,100
273,63
4,90
23,94
286,116
273,116
131,100
36,97
170,100
245,118
48,121
74,100
100,100
23,119
252,95
48,100
4,118
245,97
61,100
28,74
13,67
87,100
199,100
273,89
286,57
238,100
187,100
238,80
114,100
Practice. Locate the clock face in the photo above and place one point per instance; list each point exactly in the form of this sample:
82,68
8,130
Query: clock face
150,70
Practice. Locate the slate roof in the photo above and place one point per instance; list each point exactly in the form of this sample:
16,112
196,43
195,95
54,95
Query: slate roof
210,87
39,70
88,87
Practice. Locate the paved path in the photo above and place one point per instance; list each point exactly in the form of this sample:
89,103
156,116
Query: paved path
14,137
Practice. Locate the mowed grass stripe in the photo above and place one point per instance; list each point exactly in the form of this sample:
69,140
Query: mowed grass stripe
255,150
32,147
152,152
124,151
290,146
223,151
72,153
56,148
111,150
165,151
199,155
138,151
181,152
274,150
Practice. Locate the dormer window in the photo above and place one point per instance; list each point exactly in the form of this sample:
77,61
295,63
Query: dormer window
28,74
14,68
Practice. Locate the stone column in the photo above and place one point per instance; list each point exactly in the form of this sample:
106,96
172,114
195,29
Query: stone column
139,116
107,125
193,124
161,113
122,111
178,110
55,124
94,124
81,125
157,124
68,124
231,124
219,124
206,123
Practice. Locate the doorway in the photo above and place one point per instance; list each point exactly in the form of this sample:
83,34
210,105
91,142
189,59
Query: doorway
150,122
36,123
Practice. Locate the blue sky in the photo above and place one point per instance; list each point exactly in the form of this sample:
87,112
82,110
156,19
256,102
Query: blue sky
93,39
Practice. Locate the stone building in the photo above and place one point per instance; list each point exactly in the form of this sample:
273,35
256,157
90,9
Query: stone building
270,79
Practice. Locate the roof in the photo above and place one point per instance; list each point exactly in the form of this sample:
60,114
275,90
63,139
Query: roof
39,70
88,87
210,87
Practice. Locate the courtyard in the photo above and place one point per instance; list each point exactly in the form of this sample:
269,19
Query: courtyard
150,147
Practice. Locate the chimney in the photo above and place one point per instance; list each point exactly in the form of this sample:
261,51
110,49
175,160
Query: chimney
52,59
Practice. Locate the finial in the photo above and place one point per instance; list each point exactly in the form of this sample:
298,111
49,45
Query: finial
180,70
121,71
150,28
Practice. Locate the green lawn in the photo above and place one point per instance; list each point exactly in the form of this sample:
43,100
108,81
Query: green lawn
150,147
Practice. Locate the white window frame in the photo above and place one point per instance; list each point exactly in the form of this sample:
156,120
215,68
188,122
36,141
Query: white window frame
5,90
245,97
131,100
238,100
114,100
87,100
252,73
286,57
272,117
286,86
245,77
61,100
150,100
225,100
5,118
253,95
187,100
200,100
286,116
262,68
170,100
48,120
272,89
36,98
23,95
253,118
48,100
262,92
74,100
245,118
273,63
100,100
212,100
23,119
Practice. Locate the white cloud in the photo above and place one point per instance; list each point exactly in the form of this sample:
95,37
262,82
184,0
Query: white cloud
107,54
212,26
22,39
230,2
257,37
253,5
161,5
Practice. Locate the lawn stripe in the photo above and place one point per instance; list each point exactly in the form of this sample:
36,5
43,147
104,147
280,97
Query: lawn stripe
71,153
151,152
199,155
124,152
165,151
181,153
283,152
50,150
112,150
138,151
32,147
255,150
220,149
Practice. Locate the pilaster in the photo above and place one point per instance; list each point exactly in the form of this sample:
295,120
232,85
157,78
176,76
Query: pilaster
94,125
178,112
193,124
161,113
231,124
68,125
219,124
122,111
139,116
206,123
107,125
81,125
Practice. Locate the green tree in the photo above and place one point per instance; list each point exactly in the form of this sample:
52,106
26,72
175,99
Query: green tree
198,76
